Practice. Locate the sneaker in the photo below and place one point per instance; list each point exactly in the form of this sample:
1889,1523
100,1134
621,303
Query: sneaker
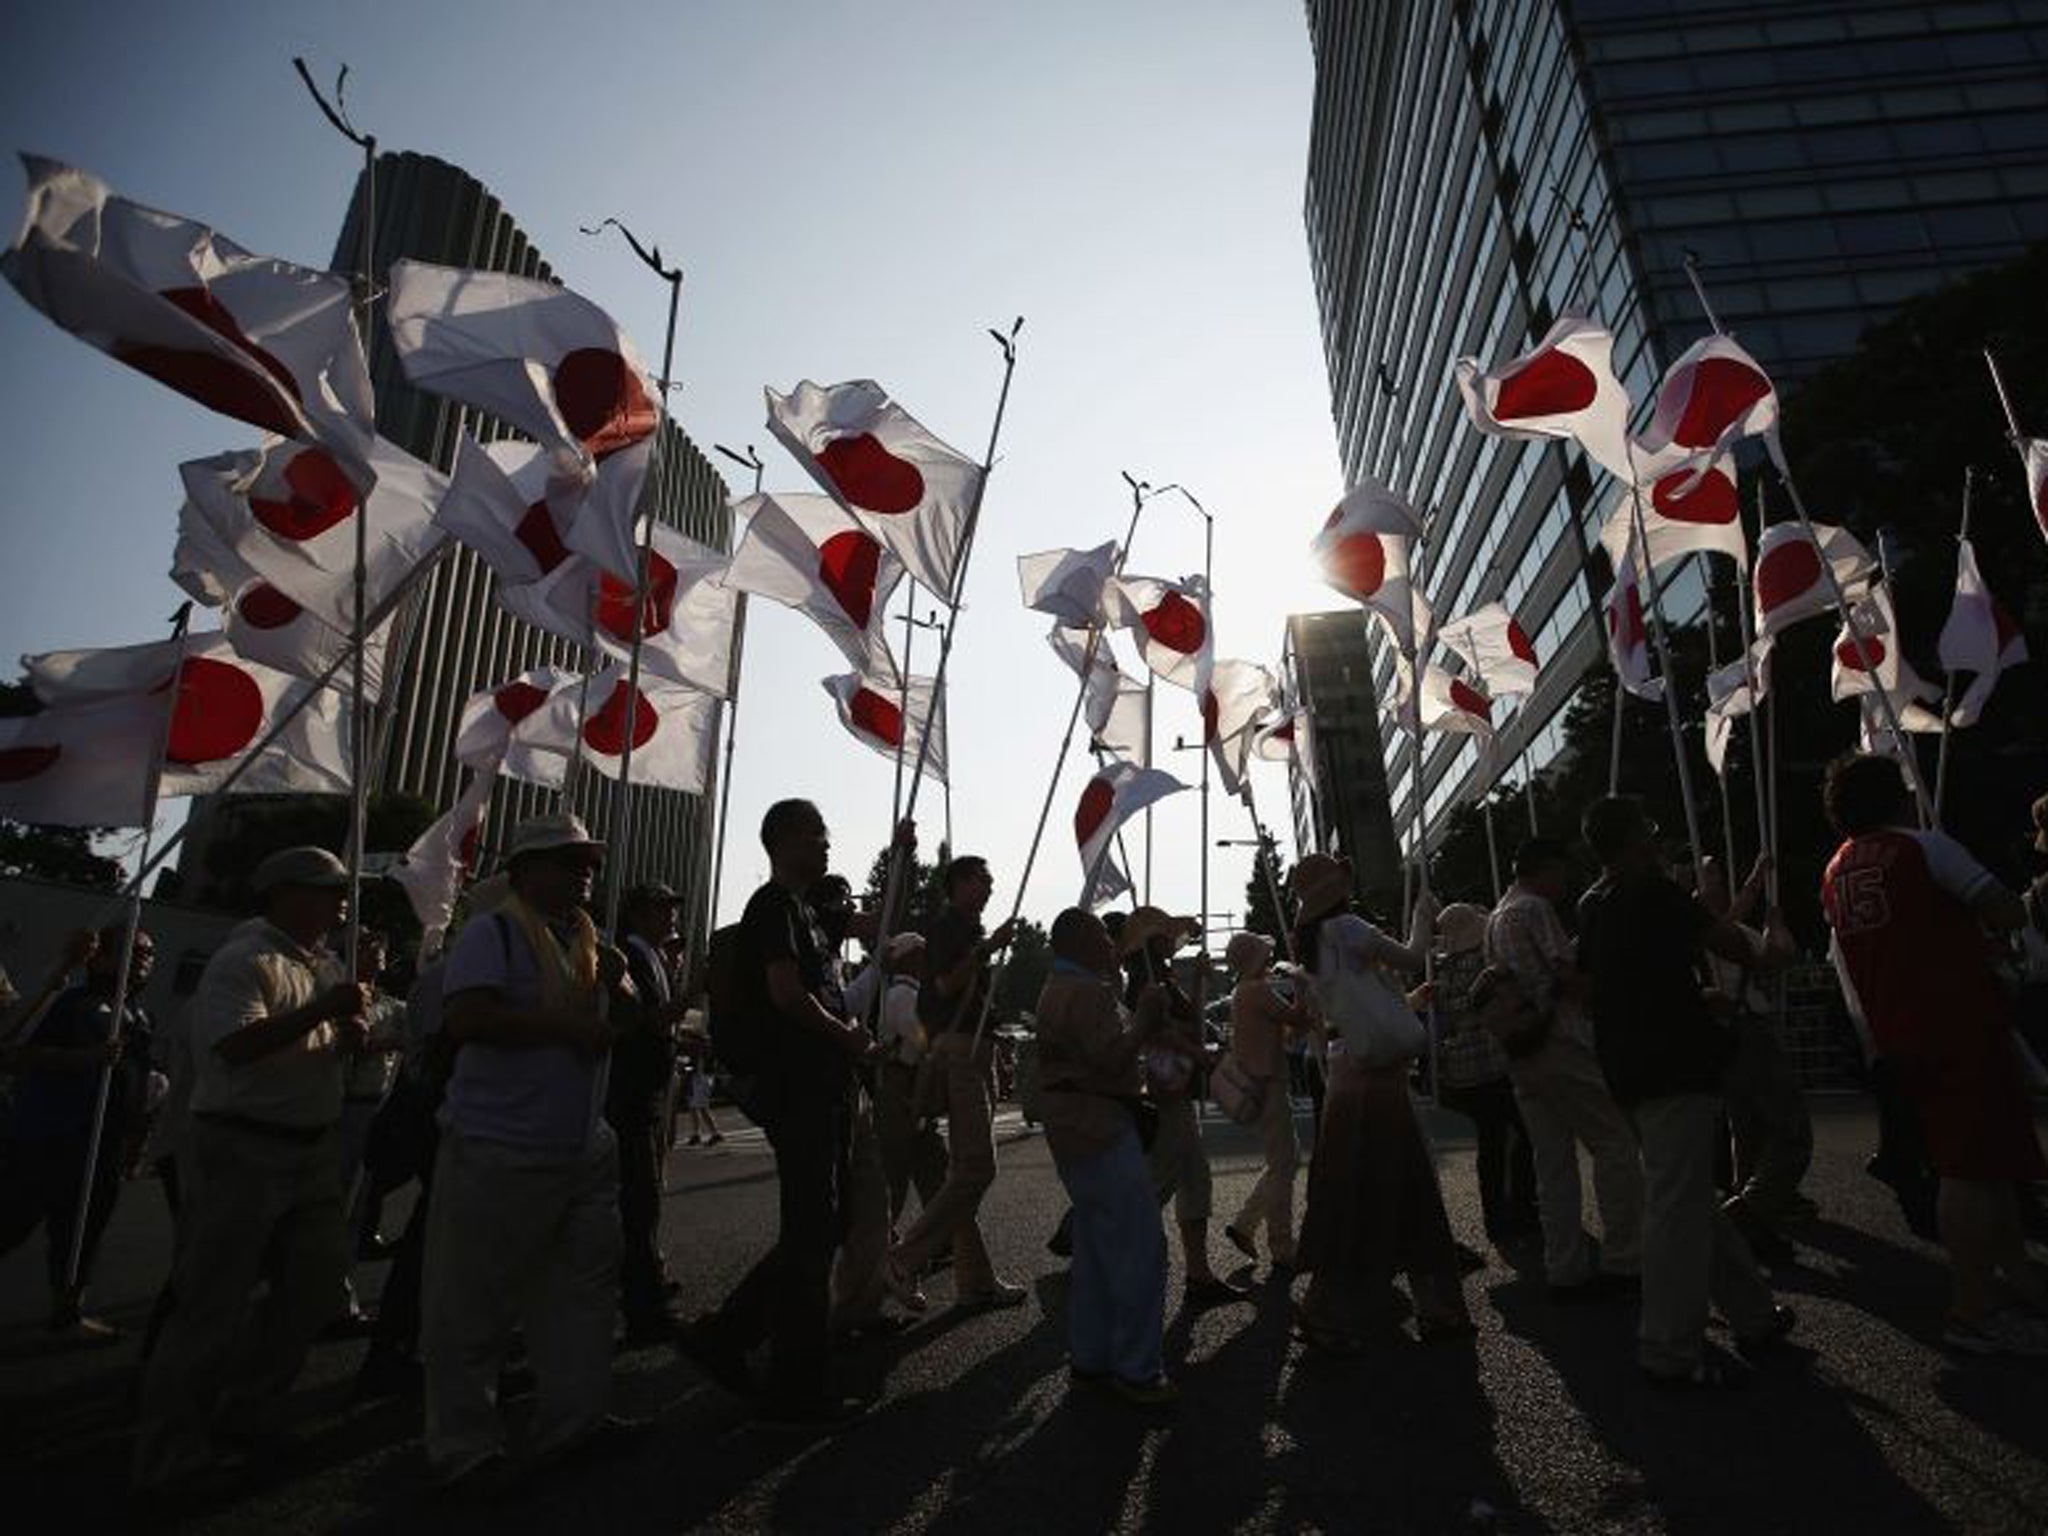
1159,1392
2007,1332
996,1296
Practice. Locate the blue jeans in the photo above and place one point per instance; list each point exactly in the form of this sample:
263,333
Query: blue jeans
1116,1303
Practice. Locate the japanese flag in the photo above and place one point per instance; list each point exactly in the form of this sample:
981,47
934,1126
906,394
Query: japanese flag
536,356
1119,718
674,729
1688,509
85,765
1452,704
1875,734
1564,388
1285,739
1067,583
1788,582
265,625
913,491
1112,797
1876,662
1236,695
289,511
2034,458
1168,620
225,706
878,713
1496,648
1979,637
687,614
511,729
1363,550
445,855
497,504
1733,691
1628,634
1712,397
809,553
252,337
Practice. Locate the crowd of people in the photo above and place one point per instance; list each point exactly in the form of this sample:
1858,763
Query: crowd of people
529,1077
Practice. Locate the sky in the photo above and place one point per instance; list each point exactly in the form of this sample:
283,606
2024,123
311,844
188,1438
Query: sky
853,190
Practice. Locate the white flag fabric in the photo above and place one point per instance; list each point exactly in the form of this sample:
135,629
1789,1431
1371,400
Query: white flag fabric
1788,582
688,615
1874,731
497,504
873,711
674,729
538,357
1496,647
1067,583
1688,510
1979,637
1877,663
1454,705
511,729
1114,705
1733,691
1284,739
444,856
1168,621
252,337
809,553
2034,459
1116,793
1714,395
1564,388
1628,633
1236,694
85,765
912,490
267,626
288,510
1363,555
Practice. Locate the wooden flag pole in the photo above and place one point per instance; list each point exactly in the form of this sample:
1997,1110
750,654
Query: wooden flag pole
729,708
1763,767
903,708
180,622
1948,691
2012,420
620,833
1714,665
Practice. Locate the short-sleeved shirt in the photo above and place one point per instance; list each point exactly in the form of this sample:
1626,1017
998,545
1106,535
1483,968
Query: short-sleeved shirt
948,939
1639,942
260,973
779,925
1526,937
1467,1055
543,1099
1899,904
48,1105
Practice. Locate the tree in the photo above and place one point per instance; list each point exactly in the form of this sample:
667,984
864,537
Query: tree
62,854
1260,915
925,895
1024,973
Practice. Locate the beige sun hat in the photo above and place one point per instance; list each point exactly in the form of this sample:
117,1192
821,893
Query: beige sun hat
1321,882
1149,923
545,834
1460,927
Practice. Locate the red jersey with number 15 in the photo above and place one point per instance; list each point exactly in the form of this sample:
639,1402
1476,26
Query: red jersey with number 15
1898,901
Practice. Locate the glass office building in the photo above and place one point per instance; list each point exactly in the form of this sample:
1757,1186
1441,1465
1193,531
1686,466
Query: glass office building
1475,165
1338,799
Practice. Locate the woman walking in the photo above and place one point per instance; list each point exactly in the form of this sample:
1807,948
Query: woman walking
1260,1021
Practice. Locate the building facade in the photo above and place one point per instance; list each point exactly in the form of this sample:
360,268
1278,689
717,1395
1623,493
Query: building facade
1338,792
1476,166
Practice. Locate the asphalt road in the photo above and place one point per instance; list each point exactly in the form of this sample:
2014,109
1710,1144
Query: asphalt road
1542,1425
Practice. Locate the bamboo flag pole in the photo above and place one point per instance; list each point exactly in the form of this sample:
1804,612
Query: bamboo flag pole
1948,691
123,964
903,706
621,830
2012,420
1714,665
1850,621
729,708
1763,767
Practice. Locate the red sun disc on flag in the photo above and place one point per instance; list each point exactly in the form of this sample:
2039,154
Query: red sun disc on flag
1470,699
1549,384
537,532
262,606
605,731
1785,573
317,497
1096,800
848,563
1176,624
1865,656
1285,732
1211,708
237,391
1519,644
1710,500
219,710
469,846
2002,626
1722,390
1358,564
516,700
19,764
873,715
1625,622
869,476
615,601
601,400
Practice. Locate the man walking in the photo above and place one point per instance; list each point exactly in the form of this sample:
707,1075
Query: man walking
271,1024
1559,1088
643,1065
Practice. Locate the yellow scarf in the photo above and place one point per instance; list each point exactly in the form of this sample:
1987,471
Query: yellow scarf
567,974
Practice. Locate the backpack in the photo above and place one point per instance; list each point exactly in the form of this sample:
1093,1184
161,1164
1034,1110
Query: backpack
730,1004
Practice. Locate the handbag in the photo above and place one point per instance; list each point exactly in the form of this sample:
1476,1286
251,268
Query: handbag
1241,1096
1374,1021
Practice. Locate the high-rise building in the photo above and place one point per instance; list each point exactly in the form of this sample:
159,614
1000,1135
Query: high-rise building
1475,165
1338,794
455,637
